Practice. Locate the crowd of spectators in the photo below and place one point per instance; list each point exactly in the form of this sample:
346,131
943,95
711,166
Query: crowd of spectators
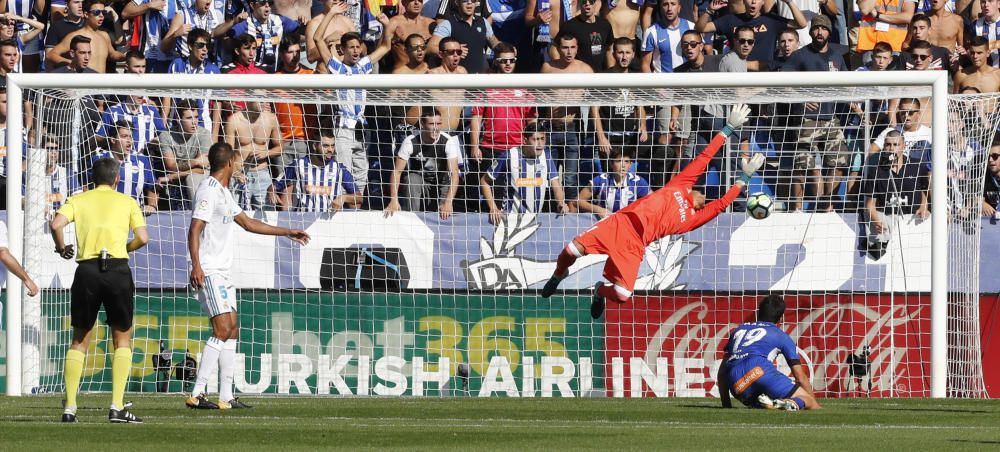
502,154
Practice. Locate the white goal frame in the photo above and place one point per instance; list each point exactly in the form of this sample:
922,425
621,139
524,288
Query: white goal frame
936,80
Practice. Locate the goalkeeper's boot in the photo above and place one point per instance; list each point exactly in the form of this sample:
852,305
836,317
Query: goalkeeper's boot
234,404
123,417
597,303
200,403
551,285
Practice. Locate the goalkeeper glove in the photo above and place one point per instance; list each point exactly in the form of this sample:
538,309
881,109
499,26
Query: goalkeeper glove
750,167
737,116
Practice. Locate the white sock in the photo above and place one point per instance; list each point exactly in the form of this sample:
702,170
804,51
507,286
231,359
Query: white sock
227,364
209,363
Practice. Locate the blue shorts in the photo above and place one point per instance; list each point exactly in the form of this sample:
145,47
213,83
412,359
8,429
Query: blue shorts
753,376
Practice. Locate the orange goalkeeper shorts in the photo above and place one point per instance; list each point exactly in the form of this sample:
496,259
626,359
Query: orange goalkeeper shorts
616,237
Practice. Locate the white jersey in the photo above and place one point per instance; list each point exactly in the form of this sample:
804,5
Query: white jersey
214,204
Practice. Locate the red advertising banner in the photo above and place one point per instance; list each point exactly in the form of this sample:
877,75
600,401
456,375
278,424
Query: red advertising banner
671,346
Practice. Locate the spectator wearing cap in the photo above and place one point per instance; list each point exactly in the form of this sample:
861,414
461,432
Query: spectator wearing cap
820,135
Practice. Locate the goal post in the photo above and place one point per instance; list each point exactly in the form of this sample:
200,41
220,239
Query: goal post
648,89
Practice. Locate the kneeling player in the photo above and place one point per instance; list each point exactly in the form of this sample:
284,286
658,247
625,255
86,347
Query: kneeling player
748,371
673,209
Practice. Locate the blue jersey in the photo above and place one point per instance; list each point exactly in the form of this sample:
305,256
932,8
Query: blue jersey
752,349
316,186
614,196
183,66
761,339
665,43
145,121
522,182
135,175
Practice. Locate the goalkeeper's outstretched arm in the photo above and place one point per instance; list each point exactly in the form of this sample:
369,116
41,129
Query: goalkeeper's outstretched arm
737,117
714,208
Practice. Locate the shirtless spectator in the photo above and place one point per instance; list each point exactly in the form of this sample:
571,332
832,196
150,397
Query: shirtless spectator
416,50
297,10
100,43
405,24
546,17
593,35
255,134
623,15
947,29
451,57
979,74
564,136
473,33
331,33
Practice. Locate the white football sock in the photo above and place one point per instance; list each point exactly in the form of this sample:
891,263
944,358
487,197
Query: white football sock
227,364
208,365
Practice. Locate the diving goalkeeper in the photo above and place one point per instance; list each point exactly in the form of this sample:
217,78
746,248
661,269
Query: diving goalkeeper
673,209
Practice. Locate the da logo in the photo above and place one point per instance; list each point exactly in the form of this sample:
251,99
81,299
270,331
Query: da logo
500,268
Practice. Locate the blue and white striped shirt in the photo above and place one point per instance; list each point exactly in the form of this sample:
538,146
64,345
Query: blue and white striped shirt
136,175
316,186
525,181
146,123
157,24
183,66
351,105
207,22
614,196
665,43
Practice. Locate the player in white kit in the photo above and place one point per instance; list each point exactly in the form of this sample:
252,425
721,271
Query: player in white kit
210,244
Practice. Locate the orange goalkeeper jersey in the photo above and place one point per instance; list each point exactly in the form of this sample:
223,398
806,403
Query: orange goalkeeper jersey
669,210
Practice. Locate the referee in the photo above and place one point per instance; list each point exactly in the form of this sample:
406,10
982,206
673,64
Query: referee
103,219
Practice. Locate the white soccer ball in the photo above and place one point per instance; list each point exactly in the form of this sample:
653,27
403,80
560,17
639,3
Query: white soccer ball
759,205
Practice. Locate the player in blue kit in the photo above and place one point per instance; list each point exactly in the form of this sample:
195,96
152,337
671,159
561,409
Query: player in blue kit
748,370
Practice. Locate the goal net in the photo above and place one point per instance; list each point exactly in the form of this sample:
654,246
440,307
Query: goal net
435,220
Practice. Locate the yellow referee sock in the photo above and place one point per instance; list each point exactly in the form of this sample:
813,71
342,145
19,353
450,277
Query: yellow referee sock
72,372
120,368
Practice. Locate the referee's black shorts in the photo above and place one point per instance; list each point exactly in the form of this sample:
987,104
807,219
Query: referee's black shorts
113,288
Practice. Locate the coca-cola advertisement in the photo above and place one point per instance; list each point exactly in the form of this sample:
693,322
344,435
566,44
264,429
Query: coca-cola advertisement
852,345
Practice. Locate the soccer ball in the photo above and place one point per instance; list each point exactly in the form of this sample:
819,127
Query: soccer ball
759,205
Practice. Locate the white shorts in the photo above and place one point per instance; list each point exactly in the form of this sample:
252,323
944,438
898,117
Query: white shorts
217,296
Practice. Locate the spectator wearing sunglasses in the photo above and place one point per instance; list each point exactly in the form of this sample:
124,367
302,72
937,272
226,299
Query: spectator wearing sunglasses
472,32
766,26
100,43
197,62
199,15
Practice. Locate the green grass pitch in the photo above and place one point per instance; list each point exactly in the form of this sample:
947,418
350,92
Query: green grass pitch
297,423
